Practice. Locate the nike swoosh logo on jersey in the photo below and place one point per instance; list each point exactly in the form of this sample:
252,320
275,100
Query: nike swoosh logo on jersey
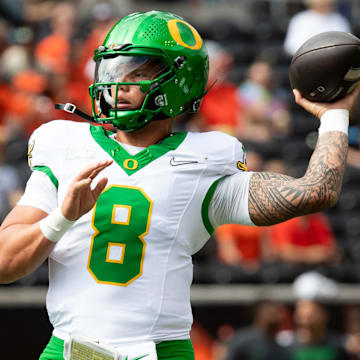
137,358
174,162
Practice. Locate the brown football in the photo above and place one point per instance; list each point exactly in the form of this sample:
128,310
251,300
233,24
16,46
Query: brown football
327,66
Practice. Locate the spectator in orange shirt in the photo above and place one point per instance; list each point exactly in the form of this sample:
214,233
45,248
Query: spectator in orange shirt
57,56
304,240
53,52
239,245
221,109
28,107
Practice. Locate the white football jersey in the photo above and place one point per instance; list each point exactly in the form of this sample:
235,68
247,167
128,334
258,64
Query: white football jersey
123,271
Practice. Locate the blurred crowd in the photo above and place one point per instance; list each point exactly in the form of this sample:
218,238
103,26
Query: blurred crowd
310,328
258,108
46,57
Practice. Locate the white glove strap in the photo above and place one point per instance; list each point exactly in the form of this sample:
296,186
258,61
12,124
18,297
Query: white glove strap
55,225
334,120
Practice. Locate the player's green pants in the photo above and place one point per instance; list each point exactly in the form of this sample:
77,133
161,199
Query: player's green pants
166,350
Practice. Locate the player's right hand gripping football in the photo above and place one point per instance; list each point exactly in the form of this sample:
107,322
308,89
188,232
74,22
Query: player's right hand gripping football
80,197
319,108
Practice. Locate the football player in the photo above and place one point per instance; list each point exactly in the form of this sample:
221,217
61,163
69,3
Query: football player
120,247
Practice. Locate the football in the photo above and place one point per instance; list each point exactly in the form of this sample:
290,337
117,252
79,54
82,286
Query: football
327,66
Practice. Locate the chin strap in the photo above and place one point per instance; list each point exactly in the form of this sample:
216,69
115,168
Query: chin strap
194,105
210,87
71,108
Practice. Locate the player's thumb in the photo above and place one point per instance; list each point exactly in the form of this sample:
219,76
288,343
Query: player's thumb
299,99
100,186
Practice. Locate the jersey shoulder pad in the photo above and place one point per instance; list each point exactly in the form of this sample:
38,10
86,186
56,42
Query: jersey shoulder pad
219,148
49,139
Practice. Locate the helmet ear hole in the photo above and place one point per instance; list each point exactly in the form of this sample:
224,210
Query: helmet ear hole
179,62
195,106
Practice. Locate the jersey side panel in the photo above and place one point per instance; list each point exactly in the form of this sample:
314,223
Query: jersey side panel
214,153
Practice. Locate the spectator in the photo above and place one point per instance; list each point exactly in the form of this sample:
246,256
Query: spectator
58,55
313,340
239,245
76,83
300,244
352,331
305,240
103,16
10,191
20,12
276,165
52,53
353,158
319,17
259,340
265,105
15,59
220,109
312,336
28,107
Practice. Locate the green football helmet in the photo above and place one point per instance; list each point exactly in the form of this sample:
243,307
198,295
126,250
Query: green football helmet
158,40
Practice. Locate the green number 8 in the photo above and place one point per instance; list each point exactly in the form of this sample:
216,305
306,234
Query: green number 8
121,218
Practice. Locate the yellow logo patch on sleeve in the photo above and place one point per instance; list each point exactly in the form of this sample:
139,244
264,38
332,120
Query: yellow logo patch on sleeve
241,166
30,149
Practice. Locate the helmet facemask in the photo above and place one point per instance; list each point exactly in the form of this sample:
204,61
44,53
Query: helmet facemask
127,90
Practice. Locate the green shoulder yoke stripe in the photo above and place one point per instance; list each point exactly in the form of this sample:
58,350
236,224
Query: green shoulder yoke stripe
205,206
49,173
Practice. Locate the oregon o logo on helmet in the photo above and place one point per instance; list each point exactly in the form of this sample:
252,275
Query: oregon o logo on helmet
175,33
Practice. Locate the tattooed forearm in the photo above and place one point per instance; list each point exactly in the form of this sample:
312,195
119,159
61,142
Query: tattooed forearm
274,198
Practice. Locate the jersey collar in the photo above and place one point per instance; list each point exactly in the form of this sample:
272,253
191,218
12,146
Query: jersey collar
132,163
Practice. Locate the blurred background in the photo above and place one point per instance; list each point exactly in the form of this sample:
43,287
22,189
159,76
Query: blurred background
246,298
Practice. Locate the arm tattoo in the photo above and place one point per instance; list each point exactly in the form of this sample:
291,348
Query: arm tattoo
274,198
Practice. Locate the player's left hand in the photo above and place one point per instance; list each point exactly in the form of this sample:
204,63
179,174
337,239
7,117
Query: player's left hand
80,197
319,108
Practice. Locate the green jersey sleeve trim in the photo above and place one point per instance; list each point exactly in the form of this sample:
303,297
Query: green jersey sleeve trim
49,173
205,206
